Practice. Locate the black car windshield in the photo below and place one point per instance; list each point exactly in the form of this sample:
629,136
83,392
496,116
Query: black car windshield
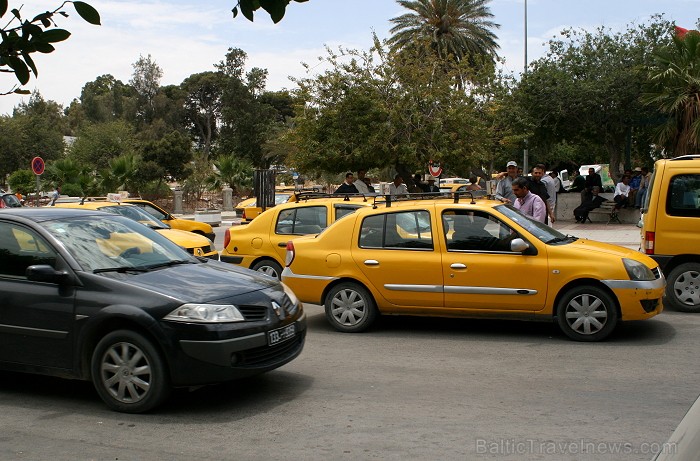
538,230
137,214
112,241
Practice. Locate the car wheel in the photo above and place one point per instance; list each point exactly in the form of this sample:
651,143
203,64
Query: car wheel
268,267
683,288
350,308
587,313
129,373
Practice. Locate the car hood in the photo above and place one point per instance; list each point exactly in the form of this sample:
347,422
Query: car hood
605,248
204,282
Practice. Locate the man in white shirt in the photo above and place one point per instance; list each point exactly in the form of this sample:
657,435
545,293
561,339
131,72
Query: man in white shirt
551,183
622,192
360,183
397,188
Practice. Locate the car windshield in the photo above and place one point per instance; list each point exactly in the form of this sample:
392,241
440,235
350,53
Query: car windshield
538,230
137,214
115,243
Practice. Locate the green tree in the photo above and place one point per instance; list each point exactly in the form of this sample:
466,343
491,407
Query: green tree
586,92
146,81
121,174
98,143
171,153
20,38
23,181
377,109
35,129
232,171
674,90
456,29
203,93
106,99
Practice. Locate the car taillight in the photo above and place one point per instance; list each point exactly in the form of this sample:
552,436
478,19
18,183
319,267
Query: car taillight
290,254
649,238
227,237
243,215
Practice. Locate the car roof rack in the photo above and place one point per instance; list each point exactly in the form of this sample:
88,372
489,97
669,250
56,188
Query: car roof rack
307,195
387,199
687,157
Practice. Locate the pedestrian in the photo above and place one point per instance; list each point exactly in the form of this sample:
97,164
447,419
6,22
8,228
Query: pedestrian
537,187
418,185
593,179
643,187
551,182
581,211
370,188
360,182
431,187
398,188
348,186
504,189
528,203
622,191
473,183
55,195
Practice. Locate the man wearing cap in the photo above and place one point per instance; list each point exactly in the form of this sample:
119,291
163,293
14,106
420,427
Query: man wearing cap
431,187
504,188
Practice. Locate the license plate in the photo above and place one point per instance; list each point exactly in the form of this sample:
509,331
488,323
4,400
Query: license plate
281,334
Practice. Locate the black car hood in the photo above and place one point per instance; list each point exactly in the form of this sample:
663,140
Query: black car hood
203,282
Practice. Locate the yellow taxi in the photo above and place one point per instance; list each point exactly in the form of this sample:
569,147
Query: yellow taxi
188,225
469,258
261,244
671,228
195,244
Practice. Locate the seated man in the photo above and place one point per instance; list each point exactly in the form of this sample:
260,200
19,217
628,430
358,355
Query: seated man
595,201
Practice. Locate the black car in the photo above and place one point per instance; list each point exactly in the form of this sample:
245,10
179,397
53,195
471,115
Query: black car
100,297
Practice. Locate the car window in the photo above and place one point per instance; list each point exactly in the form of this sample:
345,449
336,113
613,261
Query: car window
135,213
475,231
409,229
155,212
113,241
344,210
302,220
20,248
539,230
684,196
10,201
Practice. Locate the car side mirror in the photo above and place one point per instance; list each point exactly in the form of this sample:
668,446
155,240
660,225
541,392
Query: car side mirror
47,274
519,245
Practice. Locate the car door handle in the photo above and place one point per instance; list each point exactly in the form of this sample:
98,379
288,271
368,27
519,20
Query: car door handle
371,262
458,266
282,244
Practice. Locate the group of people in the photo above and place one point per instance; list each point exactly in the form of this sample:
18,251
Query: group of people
535,196
363,185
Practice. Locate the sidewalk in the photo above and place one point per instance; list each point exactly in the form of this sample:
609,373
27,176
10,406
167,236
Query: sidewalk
626,235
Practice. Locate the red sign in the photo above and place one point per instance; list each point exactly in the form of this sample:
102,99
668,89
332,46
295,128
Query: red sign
38,165
434,169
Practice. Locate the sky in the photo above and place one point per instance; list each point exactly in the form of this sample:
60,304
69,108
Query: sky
187,37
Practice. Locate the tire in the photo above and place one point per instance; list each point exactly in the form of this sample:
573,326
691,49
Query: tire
683,288
132,386
587,313
350,308
268,267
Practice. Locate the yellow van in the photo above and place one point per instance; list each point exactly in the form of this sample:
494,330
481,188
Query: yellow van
671,228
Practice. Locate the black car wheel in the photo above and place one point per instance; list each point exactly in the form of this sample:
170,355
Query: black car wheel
268,267
587,313
683,288
129,373
350,308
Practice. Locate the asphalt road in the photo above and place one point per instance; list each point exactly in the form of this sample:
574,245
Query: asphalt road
411,388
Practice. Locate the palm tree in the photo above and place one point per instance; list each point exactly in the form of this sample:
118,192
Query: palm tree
458,28
674,89
231,170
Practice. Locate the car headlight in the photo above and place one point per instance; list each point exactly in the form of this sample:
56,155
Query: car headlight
205,313
291,294
637,270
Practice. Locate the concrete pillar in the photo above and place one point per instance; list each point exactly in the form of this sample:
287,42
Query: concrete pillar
228,198
178,202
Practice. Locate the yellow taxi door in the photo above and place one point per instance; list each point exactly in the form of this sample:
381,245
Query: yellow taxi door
480,270
398,255
294,222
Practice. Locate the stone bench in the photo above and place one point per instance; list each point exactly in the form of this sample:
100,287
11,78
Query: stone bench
567,202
